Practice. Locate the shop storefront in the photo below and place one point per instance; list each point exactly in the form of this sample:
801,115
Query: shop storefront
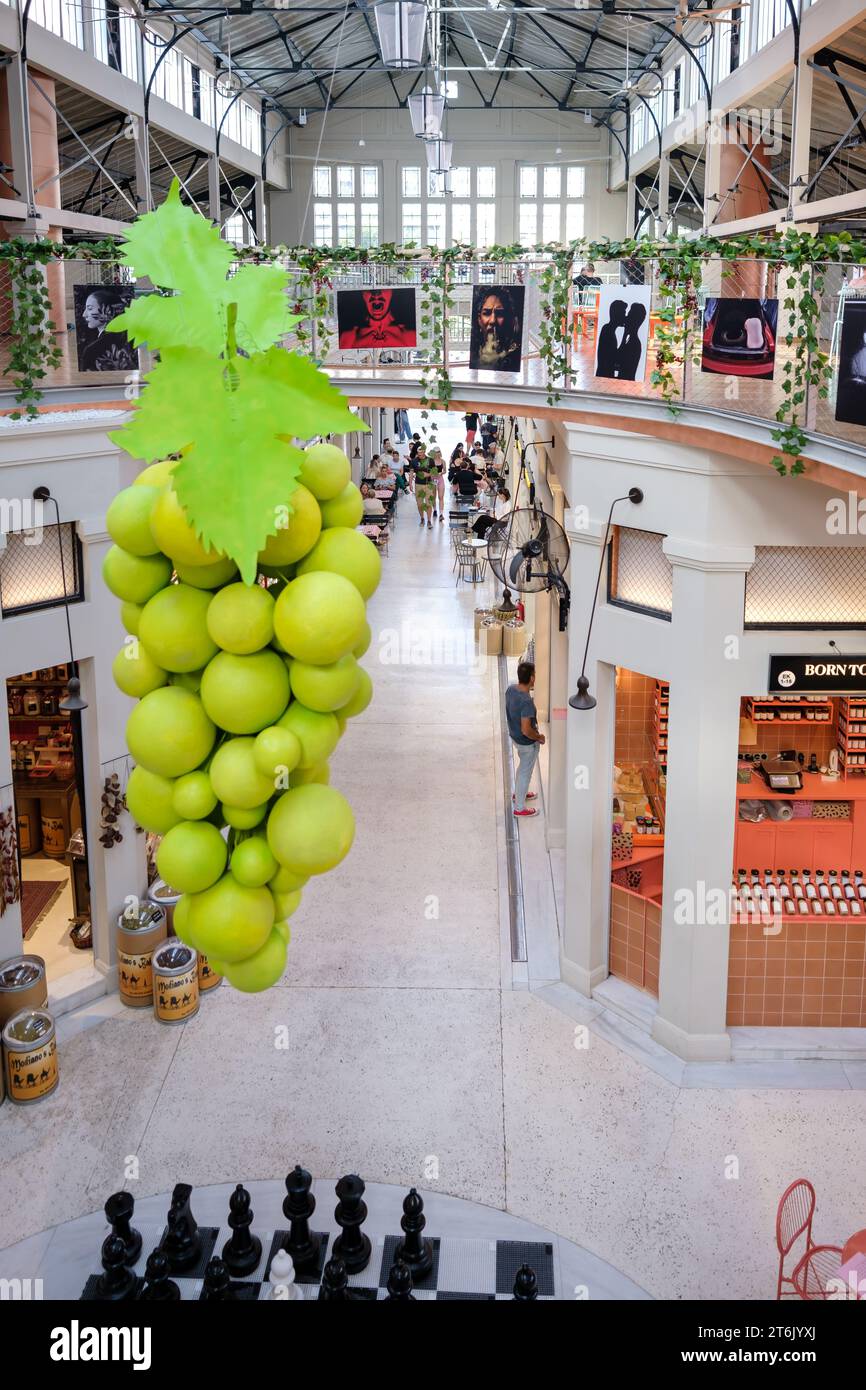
724,902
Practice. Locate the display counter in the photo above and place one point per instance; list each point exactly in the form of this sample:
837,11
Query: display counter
827,828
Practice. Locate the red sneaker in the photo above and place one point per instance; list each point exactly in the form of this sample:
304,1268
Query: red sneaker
528,811
530,796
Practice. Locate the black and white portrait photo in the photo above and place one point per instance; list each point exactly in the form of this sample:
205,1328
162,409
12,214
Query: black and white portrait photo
623,330
851,389
496,339
95,307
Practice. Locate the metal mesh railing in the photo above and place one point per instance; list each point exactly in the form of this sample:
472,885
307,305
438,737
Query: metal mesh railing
807,586
640,574
31,572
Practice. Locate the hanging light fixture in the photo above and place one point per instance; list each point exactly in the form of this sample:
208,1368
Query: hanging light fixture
426,109
582,699
439,156
401,27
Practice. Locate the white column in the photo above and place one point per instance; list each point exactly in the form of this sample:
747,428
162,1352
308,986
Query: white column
664,191
630,207
588,785
213,190
700,807
559,689
712,175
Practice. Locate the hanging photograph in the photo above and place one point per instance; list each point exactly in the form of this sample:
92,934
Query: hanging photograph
623,330
851,389
496,340
376,318
740,337
95,307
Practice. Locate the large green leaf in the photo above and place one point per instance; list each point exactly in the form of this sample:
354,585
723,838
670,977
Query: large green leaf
309,403
180,250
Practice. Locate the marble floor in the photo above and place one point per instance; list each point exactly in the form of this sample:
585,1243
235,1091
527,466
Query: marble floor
400,1045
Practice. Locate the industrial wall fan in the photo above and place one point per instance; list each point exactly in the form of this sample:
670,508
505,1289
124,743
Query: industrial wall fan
528,550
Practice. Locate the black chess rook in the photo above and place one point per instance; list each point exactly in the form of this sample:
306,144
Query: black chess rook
350,1213
119,1209
414,1250
244,1250
301,1243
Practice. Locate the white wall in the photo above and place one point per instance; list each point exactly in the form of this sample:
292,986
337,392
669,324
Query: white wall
84,470
502,136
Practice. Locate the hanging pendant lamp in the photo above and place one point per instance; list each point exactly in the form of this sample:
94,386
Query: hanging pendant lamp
426,109
439,156
401,27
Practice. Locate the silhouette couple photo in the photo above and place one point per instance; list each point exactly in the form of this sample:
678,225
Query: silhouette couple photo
621,345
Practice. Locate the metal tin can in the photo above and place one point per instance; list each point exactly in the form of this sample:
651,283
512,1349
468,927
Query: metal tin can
30,1056
207,978
139,931
175,982
23,985
164,897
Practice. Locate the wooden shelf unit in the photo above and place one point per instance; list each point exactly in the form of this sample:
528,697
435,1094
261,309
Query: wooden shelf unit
660,718
756,709
851,734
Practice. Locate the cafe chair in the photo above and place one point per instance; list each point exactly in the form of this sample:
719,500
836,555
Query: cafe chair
471,568
793,1219
818,1266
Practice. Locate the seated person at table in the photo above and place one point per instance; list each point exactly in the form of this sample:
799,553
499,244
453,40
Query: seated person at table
467,479
385,473
456,456
502,505
373,505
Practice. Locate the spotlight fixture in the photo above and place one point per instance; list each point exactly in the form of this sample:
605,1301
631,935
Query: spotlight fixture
582,699
558,150
362,144
426,109
587,117
401,27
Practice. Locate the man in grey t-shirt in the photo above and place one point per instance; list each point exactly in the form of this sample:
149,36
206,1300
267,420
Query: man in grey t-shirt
521,715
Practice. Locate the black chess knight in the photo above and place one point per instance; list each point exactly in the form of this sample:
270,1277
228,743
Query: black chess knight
181,1243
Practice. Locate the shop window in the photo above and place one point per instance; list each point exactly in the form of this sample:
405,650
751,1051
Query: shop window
806,586
640,576
31,572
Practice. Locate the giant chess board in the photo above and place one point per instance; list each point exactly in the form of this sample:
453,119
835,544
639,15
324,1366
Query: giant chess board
477,1251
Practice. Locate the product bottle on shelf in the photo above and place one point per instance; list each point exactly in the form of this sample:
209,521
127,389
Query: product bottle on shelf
846,885
796,885
835,890
859,884
811,891
769,884
823,890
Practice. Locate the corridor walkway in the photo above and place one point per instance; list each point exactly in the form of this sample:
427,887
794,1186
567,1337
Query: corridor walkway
392,1047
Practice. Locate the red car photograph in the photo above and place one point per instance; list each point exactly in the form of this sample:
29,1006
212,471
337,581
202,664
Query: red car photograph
740,337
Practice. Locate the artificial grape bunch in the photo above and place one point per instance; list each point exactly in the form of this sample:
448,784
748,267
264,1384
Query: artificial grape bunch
243,691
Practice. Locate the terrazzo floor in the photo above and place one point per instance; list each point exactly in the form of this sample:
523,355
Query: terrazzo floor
397,1045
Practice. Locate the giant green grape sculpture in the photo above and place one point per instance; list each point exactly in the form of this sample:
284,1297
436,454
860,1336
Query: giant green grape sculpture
243,585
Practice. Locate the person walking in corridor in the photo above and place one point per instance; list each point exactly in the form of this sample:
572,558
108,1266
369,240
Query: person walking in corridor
522,719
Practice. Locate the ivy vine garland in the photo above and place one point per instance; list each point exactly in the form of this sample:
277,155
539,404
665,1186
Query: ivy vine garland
798,258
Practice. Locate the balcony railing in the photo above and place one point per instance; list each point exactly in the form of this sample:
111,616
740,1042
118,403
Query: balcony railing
691,358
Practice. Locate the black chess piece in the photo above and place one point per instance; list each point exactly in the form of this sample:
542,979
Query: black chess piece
335,1283
413,1249
119,1209
243,1252
298,1207
525,1285
116,1284
158,1288
181,1243
400,1284
352,1247
217,1283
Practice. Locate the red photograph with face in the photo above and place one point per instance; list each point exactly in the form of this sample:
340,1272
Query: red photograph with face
379,317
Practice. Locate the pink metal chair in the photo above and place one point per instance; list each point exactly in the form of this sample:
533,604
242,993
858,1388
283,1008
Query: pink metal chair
818,1266
793,1219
